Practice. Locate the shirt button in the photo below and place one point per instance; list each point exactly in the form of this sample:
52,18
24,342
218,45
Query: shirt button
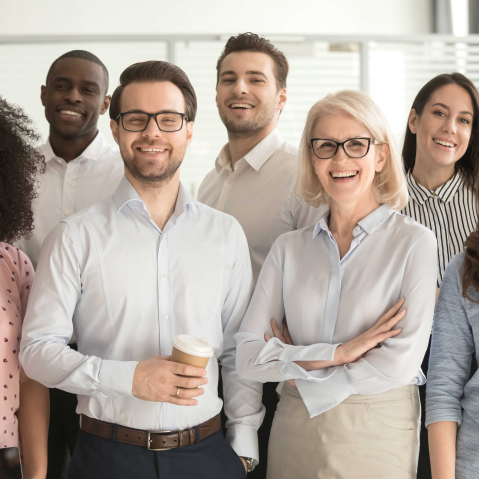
68,213
163,276
165,317
59,160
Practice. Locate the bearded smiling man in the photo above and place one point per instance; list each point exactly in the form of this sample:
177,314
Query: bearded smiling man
255,172
128,275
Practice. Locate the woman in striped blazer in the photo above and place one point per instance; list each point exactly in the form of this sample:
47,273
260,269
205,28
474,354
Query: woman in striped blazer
441,157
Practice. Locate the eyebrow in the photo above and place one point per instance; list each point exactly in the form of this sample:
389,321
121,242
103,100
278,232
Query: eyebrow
162,111
62,79
249,72
90,82
447,108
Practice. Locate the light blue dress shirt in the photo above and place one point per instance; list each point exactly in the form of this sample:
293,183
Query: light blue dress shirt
328,301
127,289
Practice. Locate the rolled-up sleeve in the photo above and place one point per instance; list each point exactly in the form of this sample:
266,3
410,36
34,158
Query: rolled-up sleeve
242,397
48,327
451,350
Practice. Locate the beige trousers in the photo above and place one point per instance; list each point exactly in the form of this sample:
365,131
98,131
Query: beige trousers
370,437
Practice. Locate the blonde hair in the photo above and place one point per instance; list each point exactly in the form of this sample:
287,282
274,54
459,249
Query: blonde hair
389,183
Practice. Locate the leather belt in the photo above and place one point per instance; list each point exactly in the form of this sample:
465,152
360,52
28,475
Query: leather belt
152,440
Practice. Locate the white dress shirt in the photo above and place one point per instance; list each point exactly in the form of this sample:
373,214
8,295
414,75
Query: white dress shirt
66,188
131,289
259,193
328,301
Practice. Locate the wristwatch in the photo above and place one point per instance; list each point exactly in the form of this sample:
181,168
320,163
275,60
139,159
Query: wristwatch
250,463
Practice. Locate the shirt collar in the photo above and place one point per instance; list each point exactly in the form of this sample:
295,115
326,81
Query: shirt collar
126,194
92,152
257,157
445,192
368,224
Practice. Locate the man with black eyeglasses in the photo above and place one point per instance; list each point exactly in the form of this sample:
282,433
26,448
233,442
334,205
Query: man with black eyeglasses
130,274
81,169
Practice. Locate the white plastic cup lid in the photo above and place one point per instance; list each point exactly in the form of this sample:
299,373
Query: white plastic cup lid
193,345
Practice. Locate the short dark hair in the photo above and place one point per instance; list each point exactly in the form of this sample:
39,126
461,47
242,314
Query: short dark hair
155,71
84,55
468,165
250,42
20,162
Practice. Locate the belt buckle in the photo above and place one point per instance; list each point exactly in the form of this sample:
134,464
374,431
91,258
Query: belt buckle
149,441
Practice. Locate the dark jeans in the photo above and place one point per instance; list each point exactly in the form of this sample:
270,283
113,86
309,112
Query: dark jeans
99,458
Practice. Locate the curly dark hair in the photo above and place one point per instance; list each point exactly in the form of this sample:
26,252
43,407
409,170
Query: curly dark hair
19,164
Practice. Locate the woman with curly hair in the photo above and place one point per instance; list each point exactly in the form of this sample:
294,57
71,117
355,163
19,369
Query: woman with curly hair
24,409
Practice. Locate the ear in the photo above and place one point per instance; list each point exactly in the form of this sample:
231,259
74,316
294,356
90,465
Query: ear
216,100
115,131
43,94
106,104
382,154
412,121
189,133
282,99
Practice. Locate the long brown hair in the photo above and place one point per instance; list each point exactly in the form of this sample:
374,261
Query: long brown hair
468,165
470,271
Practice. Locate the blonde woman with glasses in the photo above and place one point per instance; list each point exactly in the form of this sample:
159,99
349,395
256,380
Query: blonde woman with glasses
357,291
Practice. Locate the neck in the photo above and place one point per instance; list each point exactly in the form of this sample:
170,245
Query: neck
70,148
432,176
159,199
345,216
239,145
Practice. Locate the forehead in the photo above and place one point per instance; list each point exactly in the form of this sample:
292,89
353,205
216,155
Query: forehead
453,96
77,69
152,97
339,127
242,62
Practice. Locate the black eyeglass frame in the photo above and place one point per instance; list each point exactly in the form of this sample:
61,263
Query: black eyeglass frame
338,144
150,116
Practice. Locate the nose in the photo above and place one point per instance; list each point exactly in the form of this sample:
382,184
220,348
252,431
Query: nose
73,95
449,125
241,87
152,130
340,157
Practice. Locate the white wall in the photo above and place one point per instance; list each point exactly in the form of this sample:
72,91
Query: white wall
50,17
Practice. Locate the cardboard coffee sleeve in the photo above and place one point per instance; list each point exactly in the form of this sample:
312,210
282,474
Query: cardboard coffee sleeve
191,350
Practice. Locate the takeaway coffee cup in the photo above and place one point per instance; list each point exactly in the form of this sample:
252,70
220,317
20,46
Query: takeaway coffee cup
191,350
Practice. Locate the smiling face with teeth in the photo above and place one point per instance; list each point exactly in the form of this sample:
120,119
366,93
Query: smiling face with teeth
152,156
443,130
247,96
347,180
74,98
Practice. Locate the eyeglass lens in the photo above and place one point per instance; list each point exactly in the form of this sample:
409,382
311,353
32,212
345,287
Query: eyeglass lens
355,148
139,121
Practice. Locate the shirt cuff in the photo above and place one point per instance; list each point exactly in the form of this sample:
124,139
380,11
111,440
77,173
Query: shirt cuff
319,397
244,440
314,352
116,377
439,415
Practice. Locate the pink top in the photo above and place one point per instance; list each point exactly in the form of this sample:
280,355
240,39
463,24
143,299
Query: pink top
16,275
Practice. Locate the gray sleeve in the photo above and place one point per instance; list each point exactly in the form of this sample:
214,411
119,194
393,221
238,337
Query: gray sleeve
451,350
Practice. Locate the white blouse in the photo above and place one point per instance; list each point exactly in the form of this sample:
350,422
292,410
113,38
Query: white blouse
328,301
